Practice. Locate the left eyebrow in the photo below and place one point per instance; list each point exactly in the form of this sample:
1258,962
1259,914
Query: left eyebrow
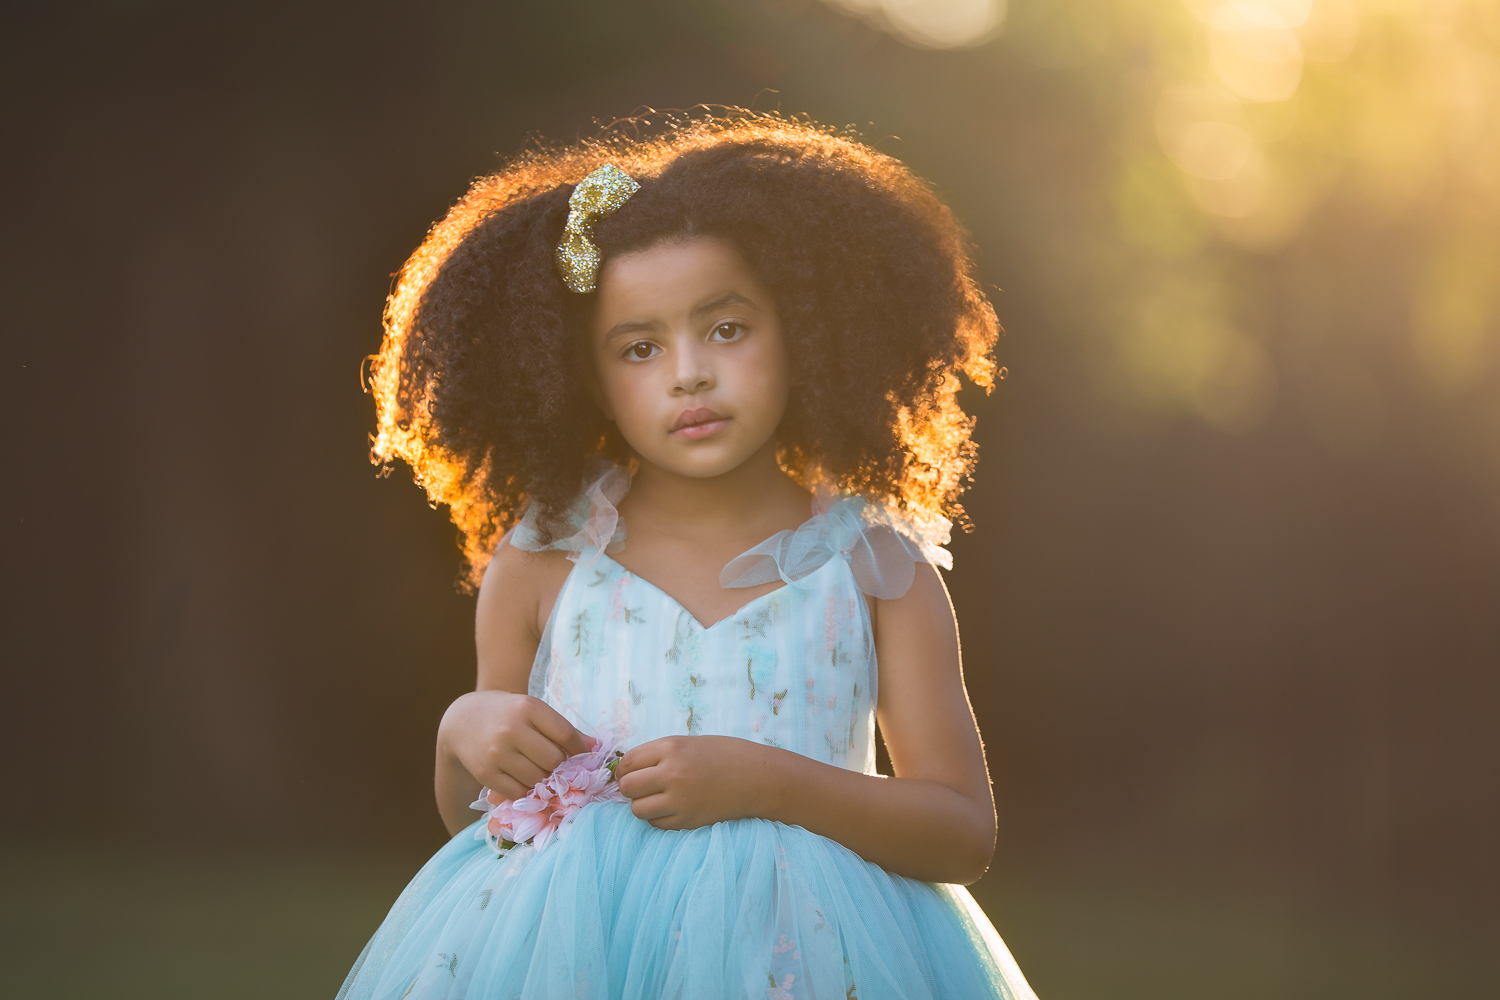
728,299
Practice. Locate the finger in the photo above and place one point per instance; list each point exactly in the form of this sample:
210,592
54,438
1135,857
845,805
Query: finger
646,755
674,821
653,807
504,771
550,723
641,782
504,786
521,768
538,749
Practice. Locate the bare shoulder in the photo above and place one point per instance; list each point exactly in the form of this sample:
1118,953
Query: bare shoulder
515,598
512,572
923,612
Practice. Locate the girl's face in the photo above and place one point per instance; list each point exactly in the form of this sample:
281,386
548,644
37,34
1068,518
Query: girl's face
689,356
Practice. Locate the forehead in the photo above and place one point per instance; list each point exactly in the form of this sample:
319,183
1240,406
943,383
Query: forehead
669,280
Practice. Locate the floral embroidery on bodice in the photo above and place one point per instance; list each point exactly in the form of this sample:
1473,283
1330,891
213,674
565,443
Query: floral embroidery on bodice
793,668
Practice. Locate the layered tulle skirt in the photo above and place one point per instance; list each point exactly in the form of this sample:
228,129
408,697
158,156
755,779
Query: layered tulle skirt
619,909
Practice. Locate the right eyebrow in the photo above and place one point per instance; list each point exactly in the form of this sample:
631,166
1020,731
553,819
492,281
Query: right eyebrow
630,326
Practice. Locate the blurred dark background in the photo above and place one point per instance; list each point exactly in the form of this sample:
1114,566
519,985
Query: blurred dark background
1231,611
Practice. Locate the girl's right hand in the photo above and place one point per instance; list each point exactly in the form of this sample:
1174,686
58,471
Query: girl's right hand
507,742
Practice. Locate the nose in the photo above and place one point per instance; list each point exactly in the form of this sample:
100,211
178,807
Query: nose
692,374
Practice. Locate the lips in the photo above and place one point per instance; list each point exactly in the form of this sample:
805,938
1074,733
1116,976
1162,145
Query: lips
698,423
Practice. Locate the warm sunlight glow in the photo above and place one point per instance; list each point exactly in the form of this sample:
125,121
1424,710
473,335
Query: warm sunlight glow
935,24
1269,128
1255,51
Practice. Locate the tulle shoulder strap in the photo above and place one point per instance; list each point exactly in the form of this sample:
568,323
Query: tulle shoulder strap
591,524
883,548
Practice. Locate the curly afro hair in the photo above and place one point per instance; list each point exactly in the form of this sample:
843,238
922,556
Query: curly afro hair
479,381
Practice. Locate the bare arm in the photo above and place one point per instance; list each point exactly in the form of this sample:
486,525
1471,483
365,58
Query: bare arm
935,820
496,735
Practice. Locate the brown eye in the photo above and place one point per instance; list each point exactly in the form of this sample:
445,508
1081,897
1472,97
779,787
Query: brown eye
641,350
726,332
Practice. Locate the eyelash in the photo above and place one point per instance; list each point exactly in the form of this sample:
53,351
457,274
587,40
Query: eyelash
630,355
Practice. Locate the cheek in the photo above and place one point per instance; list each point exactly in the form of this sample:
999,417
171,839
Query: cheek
623,390
767,374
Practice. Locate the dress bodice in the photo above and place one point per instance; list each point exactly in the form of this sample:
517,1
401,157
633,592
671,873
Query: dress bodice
793,668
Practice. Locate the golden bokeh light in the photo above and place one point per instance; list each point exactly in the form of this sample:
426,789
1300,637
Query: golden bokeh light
933,24
1255,51
1263,130
1204,131
1330,30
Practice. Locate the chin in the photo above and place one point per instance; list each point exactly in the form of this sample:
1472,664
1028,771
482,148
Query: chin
700,466
702,470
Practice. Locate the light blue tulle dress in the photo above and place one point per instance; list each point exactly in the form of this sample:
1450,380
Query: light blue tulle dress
615,908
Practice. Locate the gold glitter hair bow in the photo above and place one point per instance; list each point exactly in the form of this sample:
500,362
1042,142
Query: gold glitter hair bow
599,194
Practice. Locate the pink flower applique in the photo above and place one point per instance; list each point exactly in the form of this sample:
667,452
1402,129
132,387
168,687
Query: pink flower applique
781,945
782,992
549,808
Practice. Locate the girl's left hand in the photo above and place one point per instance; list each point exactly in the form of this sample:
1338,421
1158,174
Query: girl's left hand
684,782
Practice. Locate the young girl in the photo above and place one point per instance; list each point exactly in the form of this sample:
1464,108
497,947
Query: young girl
704,384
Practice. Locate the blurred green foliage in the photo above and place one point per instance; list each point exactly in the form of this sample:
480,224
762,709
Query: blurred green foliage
126,926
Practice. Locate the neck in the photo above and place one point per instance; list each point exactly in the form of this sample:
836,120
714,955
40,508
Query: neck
741,501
